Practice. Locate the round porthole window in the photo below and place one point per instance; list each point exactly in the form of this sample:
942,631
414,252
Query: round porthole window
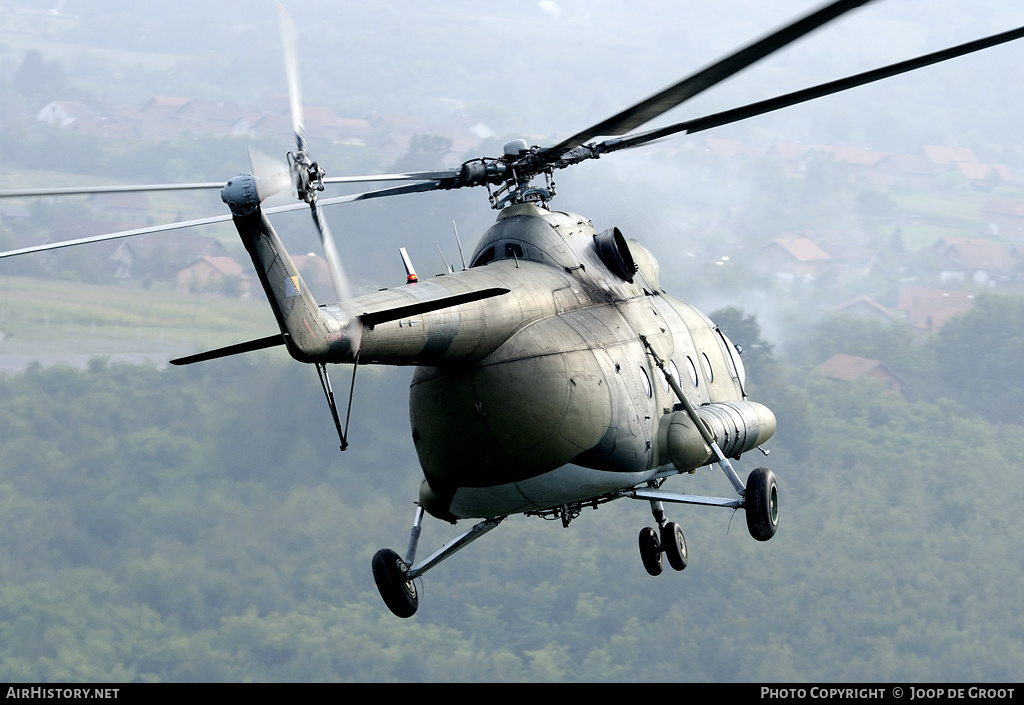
693,370
706,364
645,380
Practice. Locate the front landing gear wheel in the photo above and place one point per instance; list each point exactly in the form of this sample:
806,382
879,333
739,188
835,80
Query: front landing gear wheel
673,543
399,593
762,504
650,551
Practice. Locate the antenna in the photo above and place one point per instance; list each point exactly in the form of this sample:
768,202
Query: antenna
461,254
447,267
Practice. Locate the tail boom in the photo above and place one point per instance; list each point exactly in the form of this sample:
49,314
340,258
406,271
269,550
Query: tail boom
310,334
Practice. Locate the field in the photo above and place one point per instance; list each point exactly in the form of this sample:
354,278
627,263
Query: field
49,318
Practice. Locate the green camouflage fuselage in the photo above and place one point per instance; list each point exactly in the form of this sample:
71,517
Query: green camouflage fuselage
542,393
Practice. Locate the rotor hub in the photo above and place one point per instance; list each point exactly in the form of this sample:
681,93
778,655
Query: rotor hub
307,175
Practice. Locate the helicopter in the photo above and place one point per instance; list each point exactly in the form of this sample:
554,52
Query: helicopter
553,371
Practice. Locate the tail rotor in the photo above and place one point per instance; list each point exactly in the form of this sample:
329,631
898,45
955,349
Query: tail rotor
308,178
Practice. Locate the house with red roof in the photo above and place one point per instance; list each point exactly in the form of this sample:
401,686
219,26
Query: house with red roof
213,273
867,307
978,260
792,258
1004,218
929,309
849,368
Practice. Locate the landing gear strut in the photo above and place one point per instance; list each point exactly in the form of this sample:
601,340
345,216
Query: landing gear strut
673,543
670,544
650,551
394,576
762,504
399,593
759,500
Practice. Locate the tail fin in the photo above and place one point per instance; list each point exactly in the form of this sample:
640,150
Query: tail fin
310,334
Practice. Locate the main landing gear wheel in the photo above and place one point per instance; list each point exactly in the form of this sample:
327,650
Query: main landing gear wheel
762,504
673,544
650,551
399,593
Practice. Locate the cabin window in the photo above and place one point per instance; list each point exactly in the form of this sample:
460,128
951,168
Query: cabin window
707,367
513,249
645,380
693,370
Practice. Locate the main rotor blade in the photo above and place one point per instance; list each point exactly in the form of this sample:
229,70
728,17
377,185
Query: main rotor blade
201,185
408,176
86,190
802,96
652,107
393,191
116,235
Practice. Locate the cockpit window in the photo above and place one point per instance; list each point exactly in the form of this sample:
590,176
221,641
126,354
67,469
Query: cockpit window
501,250
734,355
485,257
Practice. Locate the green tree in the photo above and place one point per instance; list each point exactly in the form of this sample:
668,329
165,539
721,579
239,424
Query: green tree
979,357
40,80
425,152
892,343
744,330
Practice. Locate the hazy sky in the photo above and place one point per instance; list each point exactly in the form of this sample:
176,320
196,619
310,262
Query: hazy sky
550,68
541,67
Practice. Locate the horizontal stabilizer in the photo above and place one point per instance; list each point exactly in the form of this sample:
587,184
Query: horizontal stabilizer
368,319
393,314
249,346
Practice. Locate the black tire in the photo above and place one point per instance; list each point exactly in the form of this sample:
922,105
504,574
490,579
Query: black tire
762,504
673,543
650,551
399,593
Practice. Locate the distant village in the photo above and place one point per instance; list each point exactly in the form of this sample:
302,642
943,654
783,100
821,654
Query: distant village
986,255
165,117
194,262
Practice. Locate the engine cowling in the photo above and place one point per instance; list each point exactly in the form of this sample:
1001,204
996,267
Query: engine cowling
738,426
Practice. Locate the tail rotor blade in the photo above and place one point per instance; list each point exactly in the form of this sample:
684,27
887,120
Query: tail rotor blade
341,288
291,66
338,278
272,176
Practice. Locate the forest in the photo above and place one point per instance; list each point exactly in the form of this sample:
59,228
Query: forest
199,524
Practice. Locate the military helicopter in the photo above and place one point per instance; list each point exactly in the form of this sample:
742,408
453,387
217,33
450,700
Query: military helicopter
553,372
